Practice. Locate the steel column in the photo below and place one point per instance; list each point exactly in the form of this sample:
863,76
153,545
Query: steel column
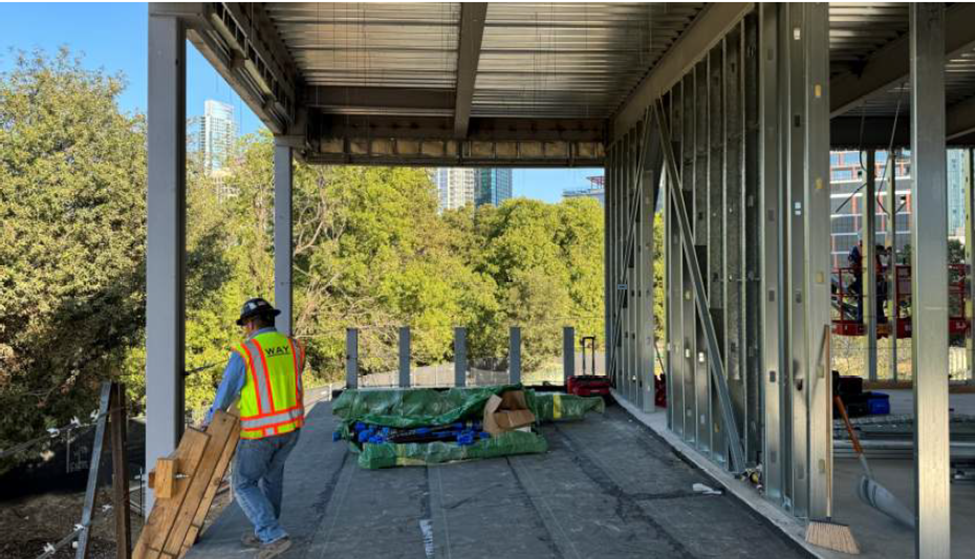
460,357
645,256
869,258
166,239
702,381
283,248
514,355
684,184
716,276
351,358
772,301
970,259
568,353
751,221
929,280
891,242
404,357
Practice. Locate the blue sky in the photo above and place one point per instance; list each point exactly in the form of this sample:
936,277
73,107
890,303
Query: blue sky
113,37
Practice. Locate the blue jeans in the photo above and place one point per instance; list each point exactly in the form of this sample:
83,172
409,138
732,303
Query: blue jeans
258,480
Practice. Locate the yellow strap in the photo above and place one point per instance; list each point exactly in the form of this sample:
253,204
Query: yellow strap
557,406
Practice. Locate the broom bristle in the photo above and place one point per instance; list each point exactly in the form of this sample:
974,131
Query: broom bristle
831,535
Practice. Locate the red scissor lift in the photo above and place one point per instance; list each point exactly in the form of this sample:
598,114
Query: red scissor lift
845,322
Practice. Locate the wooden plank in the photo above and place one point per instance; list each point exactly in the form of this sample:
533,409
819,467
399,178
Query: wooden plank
220,429
120,473
164,483
211,491
93,470
161,518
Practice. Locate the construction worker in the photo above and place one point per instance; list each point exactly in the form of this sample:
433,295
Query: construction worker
265,373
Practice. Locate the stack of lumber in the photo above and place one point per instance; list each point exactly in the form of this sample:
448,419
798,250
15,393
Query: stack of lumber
185,484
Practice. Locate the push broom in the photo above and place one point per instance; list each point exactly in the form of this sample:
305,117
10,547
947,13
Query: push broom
825,533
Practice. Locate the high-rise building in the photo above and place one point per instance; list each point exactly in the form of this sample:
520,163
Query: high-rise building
596,190
212,135
847,199
956,192
455,187
492,186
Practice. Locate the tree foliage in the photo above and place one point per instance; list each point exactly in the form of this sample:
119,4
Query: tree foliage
371,251
72,239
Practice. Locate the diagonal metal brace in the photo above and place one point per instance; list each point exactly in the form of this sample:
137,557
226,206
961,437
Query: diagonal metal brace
716,363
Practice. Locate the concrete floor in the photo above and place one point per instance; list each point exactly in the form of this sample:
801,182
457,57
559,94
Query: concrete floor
608,487
878,535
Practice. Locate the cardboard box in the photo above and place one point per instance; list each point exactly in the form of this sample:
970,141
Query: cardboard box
507,412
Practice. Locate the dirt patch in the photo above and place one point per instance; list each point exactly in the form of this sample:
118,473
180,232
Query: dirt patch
27,524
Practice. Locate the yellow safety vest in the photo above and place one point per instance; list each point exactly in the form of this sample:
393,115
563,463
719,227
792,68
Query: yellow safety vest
271,402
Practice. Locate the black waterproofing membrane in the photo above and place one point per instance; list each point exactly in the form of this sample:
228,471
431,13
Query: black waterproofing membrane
405,409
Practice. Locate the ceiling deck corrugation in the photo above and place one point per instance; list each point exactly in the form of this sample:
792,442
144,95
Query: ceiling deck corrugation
548,60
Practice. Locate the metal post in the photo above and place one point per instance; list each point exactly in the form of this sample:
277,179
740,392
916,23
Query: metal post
166,239
770,202
645,257
460,357
120,472
869,257
283,248
702,380
929,280
404,357
816,283
891,241
514,355
351,358
568,353
970,259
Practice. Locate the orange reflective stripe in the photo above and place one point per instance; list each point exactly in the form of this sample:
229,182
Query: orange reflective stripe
267,376
253,369
269,414
298,422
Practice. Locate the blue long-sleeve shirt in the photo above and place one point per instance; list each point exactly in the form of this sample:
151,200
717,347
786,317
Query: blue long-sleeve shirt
234,377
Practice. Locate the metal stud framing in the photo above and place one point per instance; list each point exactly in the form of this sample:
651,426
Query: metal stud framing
747,273
929,278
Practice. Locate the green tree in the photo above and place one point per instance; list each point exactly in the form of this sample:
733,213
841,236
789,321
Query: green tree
72,239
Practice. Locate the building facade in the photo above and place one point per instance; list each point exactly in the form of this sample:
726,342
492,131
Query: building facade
492,186
212,136
846,180
596,190
455,187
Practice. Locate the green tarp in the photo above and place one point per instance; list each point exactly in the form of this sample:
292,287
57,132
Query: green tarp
413,408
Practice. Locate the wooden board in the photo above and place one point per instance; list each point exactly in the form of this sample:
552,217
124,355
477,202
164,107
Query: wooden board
160,520
211,491
219,430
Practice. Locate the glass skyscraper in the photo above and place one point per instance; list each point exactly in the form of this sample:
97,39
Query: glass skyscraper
492,186
212,135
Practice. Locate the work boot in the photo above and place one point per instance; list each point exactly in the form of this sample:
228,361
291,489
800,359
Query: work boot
275,548
250,540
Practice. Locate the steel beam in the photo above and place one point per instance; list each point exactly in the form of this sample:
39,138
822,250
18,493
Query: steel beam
889,66
705,31
166,239
869,259
283,247
929,278
460,357
961,119
701,299
404,356
381,101
472,17
351,358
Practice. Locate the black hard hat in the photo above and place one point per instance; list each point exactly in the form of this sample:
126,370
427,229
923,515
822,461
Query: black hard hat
256,307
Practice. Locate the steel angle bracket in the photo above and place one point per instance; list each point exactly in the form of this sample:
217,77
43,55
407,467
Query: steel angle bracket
716,363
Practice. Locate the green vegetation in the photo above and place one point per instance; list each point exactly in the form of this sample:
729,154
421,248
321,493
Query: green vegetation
370,251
